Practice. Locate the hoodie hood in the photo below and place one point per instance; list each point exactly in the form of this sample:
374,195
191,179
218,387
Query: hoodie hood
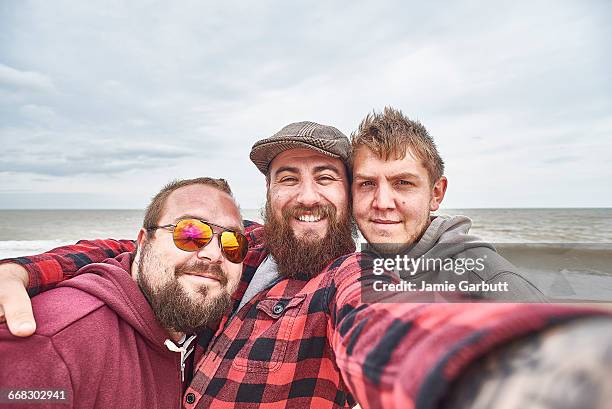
112,283
446,237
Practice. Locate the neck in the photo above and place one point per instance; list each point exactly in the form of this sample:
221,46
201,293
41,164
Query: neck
175,336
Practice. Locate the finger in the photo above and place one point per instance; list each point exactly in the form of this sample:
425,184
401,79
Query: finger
17,307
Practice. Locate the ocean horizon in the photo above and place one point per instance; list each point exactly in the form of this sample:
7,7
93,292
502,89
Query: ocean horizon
27,231
572,244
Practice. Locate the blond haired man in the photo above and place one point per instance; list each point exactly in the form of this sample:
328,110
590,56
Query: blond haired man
398,181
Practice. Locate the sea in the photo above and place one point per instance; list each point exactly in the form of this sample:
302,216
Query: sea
25,232
573,243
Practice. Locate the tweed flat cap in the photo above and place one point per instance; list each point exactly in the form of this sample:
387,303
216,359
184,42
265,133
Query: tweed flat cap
310,135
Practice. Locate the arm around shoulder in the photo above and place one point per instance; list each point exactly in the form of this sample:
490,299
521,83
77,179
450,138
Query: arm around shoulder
42,272
48,269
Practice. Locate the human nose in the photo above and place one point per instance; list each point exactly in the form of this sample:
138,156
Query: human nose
383,198
212,251
308,194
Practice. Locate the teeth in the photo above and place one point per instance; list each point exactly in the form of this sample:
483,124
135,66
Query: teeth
308,218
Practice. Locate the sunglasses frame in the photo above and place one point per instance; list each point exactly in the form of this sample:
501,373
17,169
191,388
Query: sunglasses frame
171,227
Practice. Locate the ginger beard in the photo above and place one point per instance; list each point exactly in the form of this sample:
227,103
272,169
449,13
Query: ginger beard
307,257
171,303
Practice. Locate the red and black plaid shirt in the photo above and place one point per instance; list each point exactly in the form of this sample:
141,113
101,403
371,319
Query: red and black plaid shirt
315,343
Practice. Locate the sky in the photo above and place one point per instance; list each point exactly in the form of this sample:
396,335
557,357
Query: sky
102,103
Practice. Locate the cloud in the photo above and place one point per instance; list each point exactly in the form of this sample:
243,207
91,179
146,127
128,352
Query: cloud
133,90
563,159
15,79
94,158
38,113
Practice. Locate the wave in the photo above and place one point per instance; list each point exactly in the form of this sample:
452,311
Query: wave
17,248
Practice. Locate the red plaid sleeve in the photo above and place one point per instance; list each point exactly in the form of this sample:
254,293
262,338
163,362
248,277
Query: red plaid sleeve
403,354
48,269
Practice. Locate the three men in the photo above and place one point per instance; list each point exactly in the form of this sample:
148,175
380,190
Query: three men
301,337
108,338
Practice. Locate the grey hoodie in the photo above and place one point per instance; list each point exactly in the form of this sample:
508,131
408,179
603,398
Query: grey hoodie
444,251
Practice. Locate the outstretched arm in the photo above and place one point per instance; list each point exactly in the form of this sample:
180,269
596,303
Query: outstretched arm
43,271
405,354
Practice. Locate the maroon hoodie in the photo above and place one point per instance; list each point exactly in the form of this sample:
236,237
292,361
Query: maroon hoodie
98,341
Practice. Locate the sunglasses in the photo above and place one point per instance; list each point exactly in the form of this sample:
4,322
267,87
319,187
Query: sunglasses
194,234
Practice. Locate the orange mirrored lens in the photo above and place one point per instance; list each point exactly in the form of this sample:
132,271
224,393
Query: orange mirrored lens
191,234
234,246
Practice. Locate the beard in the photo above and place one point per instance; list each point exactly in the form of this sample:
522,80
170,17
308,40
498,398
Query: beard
298,257
388,247
173,307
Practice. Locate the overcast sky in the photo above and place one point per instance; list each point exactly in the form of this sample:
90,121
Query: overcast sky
101,103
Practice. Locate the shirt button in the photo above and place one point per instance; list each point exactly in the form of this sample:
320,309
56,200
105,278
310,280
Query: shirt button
190,398
278,308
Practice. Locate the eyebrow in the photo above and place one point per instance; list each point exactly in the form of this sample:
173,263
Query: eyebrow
322,168
317,169
286,169
402,175
191,216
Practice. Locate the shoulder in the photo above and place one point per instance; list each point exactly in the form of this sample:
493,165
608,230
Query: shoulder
348,267
350,261
254,232
491,267
255,235
489,261
61,307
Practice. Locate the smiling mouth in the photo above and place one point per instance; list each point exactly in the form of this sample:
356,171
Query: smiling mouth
309,218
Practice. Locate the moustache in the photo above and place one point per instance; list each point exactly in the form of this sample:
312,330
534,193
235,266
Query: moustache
201,267
323,211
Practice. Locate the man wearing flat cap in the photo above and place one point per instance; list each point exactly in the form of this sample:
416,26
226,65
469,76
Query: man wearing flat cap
299,334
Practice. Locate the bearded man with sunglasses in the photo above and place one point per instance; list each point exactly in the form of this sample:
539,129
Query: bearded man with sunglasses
299,333
120,334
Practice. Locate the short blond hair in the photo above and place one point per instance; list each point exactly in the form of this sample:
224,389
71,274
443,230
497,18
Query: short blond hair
389,134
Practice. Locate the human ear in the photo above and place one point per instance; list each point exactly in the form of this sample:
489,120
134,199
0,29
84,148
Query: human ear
437,193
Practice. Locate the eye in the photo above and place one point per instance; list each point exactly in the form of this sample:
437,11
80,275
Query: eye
288,179
404,183
367,183
326,178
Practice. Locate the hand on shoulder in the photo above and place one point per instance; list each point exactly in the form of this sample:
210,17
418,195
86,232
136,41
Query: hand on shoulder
15,304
